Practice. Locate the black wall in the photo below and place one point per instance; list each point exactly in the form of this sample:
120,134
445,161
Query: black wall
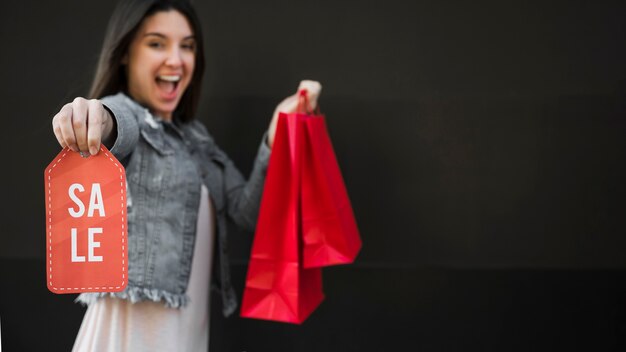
482,144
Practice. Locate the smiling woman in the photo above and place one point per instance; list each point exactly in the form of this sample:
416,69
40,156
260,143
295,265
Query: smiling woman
181,187
160,62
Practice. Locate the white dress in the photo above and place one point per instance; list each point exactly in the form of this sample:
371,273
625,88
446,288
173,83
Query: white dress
112,324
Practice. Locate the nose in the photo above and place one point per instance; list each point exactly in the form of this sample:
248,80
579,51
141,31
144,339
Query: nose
173,58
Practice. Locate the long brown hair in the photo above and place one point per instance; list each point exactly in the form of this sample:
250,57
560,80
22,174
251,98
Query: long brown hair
110,77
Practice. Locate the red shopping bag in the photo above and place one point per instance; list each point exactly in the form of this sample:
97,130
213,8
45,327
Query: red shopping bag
278,287
329,230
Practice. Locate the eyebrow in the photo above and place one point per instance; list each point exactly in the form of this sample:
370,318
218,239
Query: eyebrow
165,37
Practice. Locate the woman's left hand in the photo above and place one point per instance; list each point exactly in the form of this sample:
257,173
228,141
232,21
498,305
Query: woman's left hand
290,104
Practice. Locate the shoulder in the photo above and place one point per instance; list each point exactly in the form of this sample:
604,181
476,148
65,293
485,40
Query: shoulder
119,98
123,102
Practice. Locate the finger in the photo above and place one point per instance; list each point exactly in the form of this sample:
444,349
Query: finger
56,128
64,120
79,122
94,126
57,134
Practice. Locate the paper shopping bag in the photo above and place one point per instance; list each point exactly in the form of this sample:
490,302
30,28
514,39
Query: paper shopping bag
329,230
278,287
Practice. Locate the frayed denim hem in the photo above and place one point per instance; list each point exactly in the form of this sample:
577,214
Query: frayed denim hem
137,294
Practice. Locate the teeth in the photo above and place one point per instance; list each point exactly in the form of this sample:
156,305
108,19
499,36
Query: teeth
169,78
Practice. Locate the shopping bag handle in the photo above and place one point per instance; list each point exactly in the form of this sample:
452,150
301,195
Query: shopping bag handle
303,103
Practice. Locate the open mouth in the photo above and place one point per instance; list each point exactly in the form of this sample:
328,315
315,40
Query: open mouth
168,83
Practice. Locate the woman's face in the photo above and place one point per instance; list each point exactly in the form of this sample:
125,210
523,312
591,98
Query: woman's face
160,62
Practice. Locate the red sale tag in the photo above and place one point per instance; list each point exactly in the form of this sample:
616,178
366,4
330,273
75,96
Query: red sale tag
86,223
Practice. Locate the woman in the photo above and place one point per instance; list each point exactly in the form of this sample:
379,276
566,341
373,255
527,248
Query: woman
181,186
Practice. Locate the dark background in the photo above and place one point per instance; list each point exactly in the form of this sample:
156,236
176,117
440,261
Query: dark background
482,145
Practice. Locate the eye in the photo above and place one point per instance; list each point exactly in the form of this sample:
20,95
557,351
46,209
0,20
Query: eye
156,45
189,46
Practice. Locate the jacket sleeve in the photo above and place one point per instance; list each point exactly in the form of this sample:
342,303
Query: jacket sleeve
126,124
244,198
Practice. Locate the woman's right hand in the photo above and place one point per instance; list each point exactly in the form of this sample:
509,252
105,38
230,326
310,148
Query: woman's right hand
82,125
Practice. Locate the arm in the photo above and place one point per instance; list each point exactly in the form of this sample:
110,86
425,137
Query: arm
126,132
244,198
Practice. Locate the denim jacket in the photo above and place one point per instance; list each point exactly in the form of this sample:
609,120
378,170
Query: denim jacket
166,163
